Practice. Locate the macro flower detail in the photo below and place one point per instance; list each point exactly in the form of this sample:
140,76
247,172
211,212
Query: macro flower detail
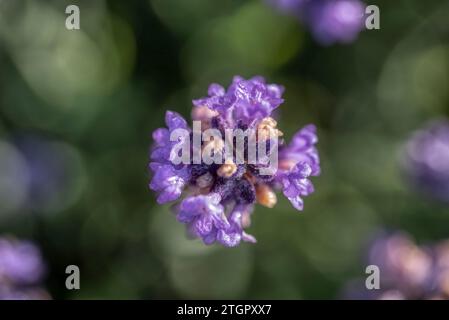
302,149
426,160
21,270
234,157
169,180
295,184
330,21
245,101
205,216
162,152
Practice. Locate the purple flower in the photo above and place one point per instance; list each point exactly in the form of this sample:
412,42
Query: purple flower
205,216
206,219
21,271
168,180
404,265
407,271
296,185
220,197
302,149
441,269
244,101
426,160
163,146
330,21
237,218
297,162
333,21
20,262
13,293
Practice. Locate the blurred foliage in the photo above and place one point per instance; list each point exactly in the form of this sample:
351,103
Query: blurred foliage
77,109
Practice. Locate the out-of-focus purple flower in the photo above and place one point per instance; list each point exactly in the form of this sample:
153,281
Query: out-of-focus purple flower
426,160
54,170
333,21
330,21
404,265
19,293
21,270
221,196
407,271
441,270
20,262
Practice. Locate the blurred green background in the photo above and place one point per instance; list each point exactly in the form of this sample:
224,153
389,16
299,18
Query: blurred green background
80,106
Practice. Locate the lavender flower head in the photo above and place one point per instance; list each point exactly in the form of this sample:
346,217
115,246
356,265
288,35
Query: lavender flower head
215,199
407,271
330,21
21,270
426,160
